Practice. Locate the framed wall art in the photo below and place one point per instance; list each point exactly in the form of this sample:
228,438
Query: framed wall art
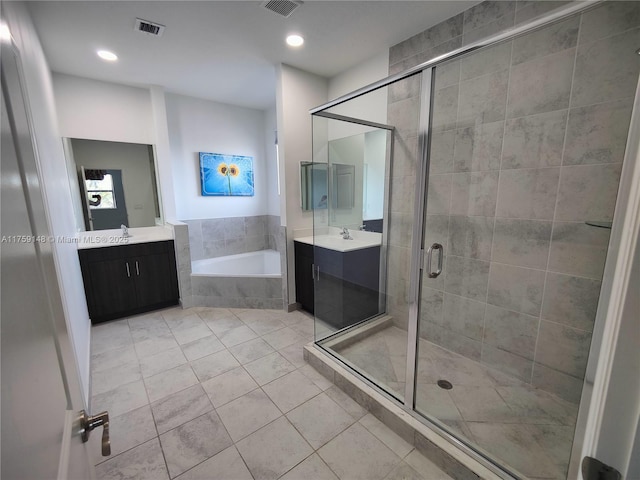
226,175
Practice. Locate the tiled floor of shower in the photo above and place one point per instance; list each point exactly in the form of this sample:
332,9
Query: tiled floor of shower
525,427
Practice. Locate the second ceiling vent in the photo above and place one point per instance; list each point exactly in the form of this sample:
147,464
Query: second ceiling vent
150,28
282,7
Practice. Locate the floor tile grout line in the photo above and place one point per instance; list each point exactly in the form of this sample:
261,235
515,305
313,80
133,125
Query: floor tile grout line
296,368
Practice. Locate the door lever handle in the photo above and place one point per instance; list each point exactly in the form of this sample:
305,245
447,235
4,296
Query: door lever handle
89,423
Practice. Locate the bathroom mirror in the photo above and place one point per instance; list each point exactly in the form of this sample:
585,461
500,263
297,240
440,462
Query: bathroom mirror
353,180
114,183
342,185
314,185
320,181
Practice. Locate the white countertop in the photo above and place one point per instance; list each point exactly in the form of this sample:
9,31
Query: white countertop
334,241
113,238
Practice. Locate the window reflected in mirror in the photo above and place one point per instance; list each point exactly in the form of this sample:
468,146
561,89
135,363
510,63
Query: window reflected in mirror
100,190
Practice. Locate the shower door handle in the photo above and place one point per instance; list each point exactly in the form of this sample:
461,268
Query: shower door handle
438,248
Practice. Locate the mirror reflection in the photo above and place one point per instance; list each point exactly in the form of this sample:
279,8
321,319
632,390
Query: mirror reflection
115,184
353,180
314,186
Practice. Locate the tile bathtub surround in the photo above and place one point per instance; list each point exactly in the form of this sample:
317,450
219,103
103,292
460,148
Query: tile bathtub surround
527,145
183,261
217,237
237,292
252,411
212,238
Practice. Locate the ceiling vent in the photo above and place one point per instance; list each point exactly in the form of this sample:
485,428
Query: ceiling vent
150,28
283,8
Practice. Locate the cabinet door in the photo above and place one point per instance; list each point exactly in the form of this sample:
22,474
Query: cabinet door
329,286
304,283
112,288
304,276
155,279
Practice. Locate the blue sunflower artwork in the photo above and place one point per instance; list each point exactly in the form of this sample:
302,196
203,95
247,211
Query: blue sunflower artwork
226,175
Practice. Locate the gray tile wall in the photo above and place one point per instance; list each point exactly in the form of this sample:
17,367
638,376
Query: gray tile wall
217,237
403,112
527,144
237,292
183,262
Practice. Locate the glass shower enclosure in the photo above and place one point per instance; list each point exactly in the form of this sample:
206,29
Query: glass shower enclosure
459,256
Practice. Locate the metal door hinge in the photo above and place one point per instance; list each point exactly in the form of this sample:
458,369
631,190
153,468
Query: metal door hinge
593,469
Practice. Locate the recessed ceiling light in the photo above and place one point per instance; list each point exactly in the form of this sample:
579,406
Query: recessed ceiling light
295,40
5,34
107,55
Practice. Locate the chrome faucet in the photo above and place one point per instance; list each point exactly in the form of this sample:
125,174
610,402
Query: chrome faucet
345,234
125,231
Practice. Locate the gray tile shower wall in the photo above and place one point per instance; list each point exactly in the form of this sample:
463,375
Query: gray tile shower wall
218,237
527,145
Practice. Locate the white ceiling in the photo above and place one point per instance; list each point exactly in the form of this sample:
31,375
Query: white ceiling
225,51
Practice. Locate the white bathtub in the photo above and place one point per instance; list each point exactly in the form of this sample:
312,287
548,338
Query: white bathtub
261,264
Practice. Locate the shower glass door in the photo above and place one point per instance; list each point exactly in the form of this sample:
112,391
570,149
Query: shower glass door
525,151
363,234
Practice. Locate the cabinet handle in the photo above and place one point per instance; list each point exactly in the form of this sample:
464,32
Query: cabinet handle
137,269
128,271
315,272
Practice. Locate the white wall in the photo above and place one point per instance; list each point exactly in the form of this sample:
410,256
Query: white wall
162,153
136,164
297,92
271,161
54,182
347,151
375,149
96,110
371,107
197,125
103,111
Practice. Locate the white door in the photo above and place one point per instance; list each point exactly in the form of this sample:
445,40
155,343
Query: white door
40,393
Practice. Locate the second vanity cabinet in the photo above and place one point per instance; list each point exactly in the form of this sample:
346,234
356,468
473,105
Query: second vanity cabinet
340,288
129,279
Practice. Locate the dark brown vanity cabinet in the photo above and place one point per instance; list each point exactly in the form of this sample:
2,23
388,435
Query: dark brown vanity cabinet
129,279
339,288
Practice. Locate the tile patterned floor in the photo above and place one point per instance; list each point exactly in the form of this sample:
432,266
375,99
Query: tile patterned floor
212,393
527,428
